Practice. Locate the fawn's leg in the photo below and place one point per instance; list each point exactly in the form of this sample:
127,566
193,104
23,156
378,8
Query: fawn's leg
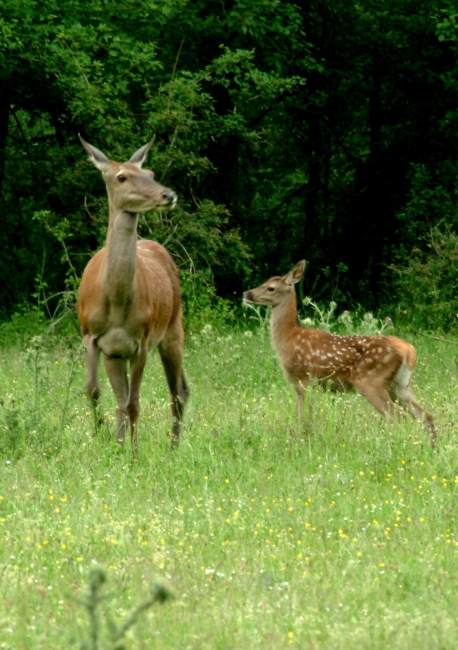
377,394
408,401
300,386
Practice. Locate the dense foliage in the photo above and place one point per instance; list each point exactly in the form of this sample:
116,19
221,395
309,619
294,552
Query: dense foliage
326,130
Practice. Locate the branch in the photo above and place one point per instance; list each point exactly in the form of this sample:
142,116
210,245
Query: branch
438,338
173,76
214,68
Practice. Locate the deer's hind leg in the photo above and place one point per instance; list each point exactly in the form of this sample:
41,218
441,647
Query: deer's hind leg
171,352
372,377
377,394
403,393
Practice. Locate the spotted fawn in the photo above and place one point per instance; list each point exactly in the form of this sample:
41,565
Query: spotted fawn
378,367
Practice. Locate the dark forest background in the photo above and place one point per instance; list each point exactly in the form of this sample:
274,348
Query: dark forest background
325,130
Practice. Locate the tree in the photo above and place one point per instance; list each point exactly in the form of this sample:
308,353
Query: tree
288,131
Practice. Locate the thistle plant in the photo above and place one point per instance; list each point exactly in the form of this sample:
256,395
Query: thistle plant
323,317
92,600
347,322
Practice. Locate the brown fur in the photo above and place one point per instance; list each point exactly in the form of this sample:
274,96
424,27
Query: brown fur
129,299
378,367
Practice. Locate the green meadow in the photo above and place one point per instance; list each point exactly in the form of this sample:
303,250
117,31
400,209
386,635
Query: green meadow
268,537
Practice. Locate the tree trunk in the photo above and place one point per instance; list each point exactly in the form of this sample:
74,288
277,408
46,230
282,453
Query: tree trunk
4,119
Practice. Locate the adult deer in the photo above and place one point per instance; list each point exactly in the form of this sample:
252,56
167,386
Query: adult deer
378,367
129,299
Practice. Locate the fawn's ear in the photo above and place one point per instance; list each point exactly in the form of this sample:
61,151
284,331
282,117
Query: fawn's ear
296,273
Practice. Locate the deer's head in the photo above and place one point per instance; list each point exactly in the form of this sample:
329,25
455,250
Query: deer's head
131,188
273,292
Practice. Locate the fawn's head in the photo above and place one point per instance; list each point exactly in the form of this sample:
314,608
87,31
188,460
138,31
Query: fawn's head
274,291
131,188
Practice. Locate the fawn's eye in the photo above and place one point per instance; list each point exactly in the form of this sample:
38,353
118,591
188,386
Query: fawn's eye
121,178
270,288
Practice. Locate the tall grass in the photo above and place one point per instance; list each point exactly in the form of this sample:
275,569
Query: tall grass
345,537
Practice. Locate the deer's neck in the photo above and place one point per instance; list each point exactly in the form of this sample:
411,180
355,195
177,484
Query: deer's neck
284,323
120,261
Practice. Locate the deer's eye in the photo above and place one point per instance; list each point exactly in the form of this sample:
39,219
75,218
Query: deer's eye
270,288
121,178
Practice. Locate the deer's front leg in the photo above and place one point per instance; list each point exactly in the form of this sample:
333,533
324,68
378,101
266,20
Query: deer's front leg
117,375
300,387
92,384
137,366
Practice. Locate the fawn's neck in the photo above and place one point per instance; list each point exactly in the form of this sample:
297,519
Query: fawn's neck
283,322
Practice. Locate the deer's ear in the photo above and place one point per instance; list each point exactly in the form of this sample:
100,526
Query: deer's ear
296,273
97,158
139,156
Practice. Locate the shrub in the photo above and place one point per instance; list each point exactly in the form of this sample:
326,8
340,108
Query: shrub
427,283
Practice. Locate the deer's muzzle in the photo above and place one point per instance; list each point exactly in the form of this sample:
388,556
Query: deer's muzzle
169,198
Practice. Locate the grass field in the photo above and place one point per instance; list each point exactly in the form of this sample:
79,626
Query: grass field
268,537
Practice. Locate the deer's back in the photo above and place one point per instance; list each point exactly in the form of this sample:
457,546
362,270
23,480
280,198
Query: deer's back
311,352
